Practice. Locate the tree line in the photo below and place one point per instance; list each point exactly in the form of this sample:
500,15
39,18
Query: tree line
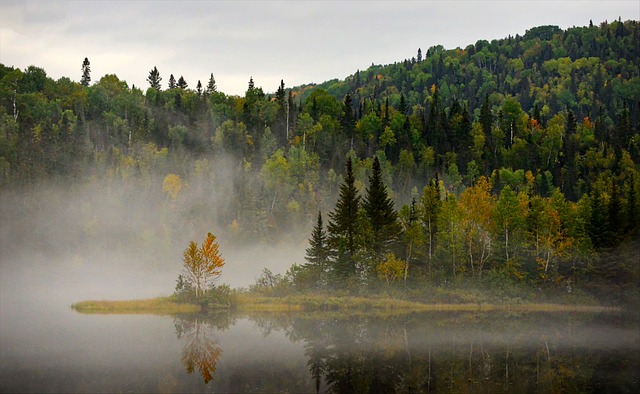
552,115
508,229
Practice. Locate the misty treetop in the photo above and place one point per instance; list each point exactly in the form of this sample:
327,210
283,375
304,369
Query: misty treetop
542,130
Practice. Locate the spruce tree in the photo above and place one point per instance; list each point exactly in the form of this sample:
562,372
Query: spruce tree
199,88
86,72
317,253
211,85
381,213
347,120
342,228
182,84
172,82
154,79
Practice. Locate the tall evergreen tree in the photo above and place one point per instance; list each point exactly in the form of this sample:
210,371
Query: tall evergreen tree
381,213
348,121
211,85
172,82
317,253
86,72
154,79
342,228
199,88
182,84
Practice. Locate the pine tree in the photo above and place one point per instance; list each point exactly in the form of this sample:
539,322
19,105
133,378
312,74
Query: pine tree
211,85
172,82
182,84
280,93
402,107
381,213
199,88
154,79
342,228
317,253
348,121
86,72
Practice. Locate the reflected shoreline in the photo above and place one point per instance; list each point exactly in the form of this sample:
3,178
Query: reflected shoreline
443,351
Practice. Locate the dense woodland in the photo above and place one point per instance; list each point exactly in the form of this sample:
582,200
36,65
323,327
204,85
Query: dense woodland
515,158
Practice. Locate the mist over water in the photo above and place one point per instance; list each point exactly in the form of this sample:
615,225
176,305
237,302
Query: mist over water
64,242
120,239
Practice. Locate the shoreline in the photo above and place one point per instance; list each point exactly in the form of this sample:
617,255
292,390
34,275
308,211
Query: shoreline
158,306
315,303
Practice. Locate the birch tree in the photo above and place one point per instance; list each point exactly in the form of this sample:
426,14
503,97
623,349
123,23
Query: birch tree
204,264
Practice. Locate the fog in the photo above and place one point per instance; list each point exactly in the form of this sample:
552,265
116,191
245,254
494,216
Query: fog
108,238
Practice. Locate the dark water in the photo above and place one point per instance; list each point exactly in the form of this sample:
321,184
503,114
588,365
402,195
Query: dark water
54,349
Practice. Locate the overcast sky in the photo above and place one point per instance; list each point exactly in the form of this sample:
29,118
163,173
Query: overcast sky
297,41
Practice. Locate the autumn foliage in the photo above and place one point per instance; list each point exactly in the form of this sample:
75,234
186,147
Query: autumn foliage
203,264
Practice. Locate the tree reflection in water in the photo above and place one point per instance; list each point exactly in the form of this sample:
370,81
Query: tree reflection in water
461,353
423,353
201,348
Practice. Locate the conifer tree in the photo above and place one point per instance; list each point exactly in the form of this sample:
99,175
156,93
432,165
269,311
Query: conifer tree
182,84
317,253
211,85
348,120
342,228
381,213
86,72
154,79
199,88
280,93
172,82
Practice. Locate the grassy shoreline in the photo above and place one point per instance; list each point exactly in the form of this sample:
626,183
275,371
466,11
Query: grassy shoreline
158,305
246,302
393,305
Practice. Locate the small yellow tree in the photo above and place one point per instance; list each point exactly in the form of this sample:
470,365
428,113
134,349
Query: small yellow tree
204,264
172,184
391,268
212,260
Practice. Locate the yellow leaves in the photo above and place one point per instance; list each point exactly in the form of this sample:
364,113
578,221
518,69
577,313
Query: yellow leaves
391,269
202,263
213,261
201,352
172,184
192,259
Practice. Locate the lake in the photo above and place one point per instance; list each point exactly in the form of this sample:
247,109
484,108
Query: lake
47,347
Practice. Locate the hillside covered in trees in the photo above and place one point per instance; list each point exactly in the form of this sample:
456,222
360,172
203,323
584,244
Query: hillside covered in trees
517,157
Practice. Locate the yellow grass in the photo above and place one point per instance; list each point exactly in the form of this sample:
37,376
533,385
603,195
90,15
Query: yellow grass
157,306
248,302
317,302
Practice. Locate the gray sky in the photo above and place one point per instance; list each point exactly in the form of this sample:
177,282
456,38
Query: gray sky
298,41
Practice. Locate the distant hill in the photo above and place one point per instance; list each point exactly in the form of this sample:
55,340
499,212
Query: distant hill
578,69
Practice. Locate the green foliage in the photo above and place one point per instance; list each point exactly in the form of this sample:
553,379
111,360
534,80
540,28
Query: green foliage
551,118
382,215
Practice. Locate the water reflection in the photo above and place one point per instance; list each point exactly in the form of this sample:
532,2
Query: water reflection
201,349
464,353
422,353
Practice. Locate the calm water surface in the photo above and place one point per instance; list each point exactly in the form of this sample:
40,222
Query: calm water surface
47,347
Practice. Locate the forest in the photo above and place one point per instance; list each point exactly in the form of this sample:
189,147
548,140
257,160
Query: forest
511,160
